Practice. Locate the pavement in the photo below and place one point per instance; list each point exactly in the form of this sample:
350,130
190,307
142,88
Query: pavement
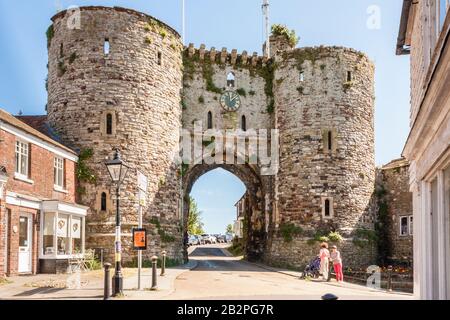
212,273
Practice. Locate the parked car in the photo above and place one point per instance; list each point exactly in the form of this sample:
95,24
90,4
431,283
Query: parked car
209,239
194,240
222,238
229,238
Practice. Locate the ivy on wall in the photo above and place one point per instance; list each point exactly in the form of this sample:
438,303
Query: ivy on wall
282,30
83,172
165,237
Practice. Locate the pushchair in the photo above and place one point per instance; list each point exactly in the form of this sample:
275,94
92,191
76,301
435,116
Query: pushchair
312,269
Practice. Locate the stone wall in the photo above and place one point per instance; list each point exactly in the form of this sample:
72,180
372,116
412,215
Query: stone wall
138,82
394,177
316,100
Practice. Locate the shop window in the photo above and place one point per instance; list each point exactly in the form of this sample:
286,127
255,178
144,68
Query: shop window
48,234
22,158
62,233
76,230
243,123
58,170
210,120
106,47
231,79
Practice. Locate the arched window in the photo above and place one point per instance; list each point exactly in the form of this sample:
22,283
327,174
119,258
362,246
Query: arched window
230,79
243,123
210,120
327,208
103,202
109,123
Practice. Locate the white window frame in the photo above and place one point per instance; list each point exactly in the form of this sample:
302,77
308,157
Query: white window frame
58,169
22,156
408,226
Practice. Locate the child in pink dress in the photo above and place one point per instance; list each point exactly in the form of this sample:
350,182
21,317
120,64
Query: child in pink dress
337,263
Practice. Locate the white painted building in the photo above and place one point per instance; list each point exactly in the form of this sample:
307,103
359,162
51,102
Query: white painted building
424,34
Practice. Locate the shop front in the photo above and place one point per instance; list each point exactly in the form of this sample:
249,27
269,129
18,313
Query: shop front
62,239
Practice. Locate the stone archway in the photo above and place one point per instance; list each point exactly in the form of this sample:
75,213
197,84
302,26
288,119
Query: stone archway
249,175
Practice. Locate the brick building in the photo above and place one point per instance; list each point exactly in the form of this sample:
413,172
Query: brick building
42,227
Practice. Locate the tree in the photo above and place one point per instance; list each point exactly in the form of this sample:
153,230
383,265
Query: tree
195,224
229,228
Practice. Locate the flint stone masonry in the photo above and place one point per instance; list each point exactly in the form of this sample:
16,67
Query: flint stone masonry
145,99
151,102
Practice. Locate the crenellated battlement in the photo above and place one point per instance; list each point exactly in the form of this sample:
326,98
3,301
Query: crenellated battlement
225,57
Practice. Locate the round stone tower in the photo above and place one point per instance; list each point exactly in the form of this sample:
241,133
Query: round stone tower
324,109
115,77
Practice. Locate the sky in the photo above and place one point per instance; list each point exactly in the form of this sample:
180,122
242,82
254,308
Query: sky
232,24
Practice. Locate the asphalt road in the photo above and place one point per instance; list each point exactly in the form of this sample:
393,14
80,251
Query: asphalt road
219,276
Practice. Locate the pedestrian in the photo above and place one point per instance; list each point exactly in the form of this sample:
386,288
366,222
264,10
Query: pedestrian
335,256
324,255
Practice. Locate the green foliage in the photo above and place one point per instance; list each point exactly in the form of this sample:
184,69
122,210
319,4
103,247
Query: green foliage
322,67
83,172
201,99
208,72
252,93
148,40
183,169
183,105
364,237
289,230
163,33
147,263
50,34
382,226
282,30
165,237
242,92
229,228
195,224
335,237
237,249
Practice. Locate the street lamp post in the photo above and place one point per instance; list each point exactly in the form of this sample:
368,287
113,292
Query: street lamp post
117,170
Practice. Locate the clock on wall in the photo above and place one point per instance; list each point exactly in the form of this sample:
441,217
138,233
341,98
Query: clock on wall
230,101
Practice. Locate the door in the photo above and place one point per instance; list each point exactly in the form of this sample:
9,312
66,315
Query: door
25,242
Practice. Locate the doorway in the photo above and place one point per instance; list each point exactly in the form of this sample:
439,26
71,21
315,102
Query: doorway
25,243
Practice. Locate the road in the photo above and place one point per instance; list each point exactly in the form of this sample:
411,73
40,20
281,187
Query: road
219,276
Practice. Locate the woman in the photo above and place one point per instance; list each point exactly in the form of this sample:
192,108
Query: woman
324,255
337,263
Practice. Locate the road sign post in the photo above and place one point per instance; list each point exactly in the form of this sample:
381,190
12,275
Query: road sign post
143,185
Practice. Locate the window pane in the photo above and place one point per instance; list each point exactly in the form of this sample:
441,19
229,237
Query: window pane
404,226
77,234
62,231
23,231
442,12
48,234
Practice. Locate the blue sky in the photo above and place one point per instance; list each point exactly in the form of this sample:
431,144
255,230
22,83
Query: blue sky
232,24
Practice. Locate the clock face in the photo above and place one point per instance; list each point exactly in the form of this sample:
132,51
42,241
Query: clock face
230,101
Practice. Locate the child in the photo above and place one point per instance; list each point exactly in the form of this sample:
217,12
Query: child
337,263
324,259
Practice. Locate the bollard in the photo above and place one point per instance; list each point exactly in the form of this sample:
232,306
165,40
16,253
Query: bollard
163,264
154,282
107,289
389,282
